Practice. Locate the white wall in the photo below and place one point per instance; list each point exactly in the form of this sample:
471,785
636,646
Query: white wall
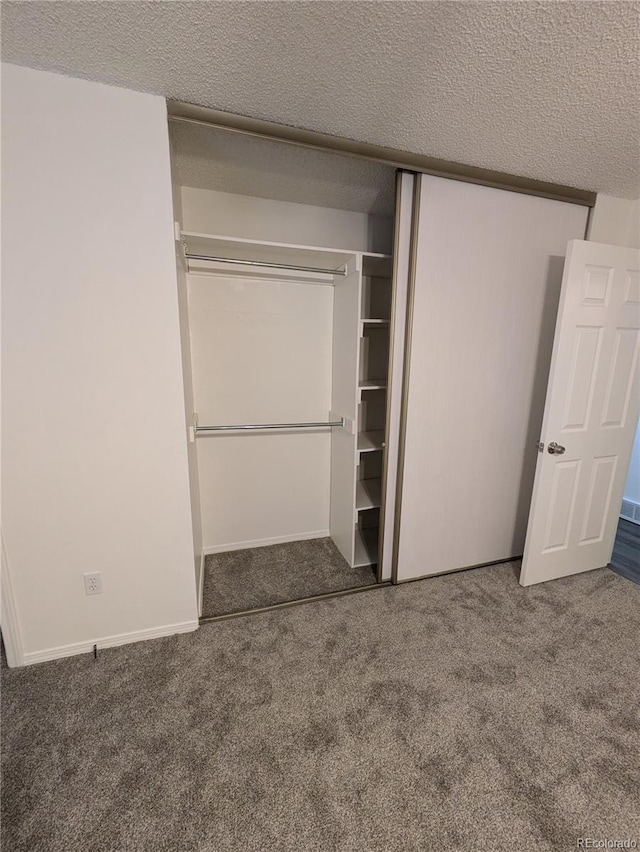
94,439
261,353
225,214
632,487
617,221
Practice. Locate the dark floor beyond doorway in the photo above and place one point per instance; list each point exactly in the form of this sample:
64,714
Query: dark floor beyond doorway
625,559
238,580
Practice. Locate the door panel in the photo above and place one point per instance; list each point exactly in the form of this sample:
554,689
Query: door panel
561,505
486,284
591,411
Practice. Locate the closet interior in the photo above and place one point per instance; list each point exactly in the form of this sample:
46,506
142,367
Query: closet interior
286,293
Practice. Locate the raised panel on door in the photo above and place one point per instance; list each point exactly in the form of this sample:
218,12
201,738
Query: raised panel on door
561,507
487,274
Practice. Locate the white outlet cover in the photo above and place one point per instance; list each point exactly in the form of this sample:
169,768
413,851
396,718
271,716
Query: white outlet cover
93,583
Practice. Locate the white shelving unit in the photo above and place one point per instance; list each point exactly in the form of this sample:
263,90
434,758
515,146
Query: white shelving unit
372,369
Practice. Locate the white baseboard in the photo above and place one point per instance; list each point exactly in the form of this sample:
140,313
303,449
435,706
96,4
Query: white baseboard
630,511
107,642
264,542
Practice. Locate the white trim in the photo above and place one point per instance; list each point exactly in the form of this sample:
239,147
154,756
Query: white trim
201,585
265,542
107,642
248,241
11,633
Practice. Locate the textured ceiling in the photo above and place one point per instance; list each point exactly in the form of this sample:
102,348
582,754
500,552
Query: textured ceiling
549,90
229,162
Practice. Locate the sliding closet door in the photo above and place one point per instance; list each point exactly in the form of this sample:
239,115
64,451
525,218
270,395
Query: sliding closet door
486,283
405,191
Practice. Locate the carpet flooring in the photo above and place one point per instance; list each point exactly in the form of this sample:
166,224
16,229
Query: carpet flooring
261,576
462,712
625,559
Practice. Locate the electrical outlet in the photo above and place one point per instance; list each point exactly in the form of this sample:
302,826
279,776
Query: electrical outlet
93,583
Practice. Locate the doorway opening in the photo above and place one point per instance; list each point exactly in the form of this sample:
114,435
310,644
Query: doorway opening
625,559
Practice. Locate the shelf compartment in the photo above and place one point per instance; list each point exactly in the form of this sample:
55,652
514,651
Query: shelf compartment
368,442
377,266
366,550
376,297
374,355
369,466
368,494
372,410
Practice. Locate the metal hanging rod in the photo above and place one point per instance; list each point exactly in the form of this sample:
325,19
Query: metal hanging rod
258,426
263,264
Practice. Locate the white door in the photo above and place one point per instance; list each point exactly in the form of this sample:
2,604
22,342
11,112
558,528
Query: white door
590,416
487,271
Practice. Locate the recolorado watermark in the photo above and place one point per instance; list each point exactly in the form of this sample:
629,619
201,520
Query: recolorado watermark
595,843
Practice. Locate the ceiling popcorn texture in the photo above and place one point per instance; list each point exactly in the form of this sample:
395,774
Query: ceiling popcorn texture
547,90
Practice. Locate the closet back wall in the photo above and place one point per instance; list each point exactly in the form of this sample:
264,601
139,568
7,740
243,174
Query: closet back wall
95,473
230,215
261,353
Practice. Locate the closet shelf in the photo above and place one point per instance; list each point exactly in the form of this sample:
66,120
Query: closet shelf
368,494
262,251
372,321
366,551
370,441
373,384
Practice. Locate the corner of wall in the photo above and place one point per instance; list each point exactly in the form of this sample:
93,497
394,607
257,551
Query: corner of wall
615,221
11,632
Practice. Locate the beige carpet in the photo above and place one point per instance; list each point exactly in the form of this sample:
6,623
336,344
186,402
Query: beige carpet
457,713
238,580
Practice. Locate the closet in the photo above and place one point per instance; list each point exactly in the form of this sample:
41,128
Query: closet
287,324
368,355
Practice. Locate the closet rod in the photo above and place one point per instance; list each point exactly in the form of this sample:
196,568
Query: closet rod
256,426
262,263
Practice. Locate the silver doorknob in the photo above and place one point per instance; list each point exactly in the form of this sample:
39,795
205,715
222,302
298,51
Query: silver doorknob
555,449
